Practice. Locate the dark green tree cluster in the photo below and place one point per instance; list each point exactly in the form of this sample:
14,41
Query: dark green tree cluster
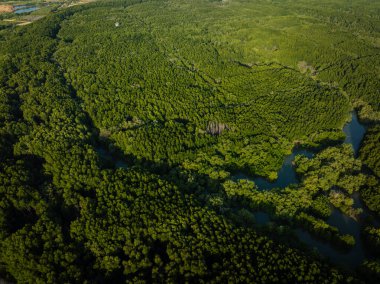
156,86
64,218
327,181
369,154
184,99
370,151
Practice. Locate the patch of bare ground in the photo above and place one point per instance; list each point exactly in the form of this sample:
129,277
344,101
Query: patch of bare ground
304,67
6,9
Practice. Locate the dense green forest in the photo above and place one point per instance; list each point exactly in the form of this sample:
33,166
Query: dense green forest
124,123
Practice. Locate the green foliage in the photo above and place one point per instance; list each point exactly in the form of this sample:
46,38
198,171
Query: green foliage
321,206
186,92
372,235
325,231
370,271
371,194
333,167
329,179
370,152
156,86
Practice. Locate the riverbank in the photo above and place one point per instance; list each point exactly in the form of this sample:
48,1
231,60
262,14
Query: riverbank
346,225
354,132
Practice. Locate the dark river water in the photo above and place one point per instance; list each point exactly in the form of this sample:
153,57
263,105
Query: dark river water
354,135
354,132
346,225
286,174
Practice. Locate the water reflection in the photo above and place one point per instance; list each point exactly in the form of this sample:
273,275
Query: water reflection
354,132
286,175
24,9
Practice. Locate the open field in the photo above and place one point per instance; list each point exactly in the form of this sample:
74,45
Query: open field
6,8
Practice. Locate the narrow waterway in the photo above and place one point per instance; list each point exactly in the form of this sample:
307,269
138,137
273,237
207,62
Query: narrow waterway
286,175
354,132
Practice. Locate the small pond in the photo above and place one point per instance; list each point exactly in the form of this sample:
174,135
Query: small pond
24,9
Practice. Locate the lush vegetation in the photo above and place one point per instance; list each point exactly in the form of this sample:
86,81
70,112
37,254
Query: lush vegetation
370,151
122,124
369,154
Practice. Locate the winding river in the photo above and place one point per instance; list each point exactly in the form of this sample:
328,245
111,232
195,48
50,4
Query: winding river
286,176
354,132
354,257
